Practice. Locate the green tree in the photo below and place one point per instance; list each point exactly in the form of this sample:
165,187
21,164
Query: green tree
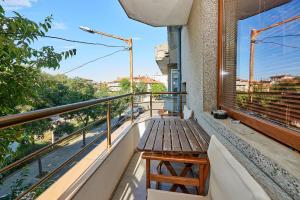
140,87
102,91
82,90
120,105
158,87
60,90
53,91
65,128
20,63
125,85
20,67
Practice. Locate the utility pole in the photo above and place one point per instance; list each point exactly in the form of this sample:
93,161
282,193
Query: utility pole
127,41
131,64
129,44
253,35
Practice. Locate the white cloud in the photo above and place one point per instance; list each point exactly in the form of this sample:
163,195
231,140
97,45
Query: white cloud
59,26
17,4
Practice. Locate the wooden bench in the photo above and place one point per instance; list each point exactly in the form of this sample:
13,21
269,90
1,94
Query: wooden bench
229,180
178,180
176,140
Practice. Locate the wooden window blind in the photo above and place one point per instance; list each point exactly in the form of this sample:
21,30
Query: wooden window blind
260,74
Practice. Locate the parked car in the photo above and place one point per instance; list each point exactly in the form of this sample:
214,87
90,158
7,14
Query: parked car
135,113
141,109
121,120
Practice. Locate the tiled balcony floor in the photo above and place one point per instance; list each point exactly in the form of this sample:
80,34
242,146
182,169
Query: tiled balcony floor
133,182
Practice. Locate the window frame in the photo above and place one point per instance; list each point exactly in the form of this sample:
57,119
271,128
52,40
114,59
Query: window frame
283,135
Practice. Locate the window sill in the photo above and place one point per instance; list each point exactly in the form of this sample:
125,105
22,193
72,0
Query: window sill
279,153
274,165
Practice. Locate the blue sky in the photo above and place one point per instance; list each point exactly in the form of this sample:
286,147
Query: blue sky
102,15
270,58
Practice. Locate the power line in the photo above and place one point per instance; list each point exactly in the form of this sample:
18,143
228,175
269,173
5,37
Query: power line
266,42
81,42
94,60
280,36
74,41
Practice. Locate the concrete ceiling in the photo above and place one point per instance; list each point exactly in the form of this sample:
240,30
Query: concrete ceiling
158,12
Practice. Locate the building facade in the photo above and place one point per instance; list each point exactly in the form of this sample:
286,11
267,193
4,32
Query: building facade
206,47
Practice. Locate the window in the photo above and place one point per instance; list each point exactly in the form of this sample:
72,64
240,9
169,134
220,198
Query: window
174,80
260,73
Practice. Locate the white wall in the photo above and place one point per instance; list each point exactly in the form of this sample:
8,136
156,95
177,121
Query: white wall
104,180
199,56
252,149
97,174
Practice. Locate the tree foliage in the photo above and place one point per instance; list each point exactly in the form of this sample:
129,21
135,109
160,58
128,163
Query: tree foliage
140,87
20,69
158,87
56,90
20,63
125,85
60,90
23,86
64,128
82,90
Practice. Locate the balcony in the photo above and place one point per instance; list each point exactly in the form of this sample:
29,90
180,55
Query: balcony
133,153
83,150
162,57
97,161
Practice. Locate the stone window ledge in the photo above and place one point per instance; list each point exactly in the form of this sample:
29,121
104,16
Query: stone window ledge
273,165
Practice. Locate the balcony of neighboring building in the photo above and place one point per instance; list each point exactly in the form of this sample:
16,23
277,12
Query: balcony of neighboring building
162,57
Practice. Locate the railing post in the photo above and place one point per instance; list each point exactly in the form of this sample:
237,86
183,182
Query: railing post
83,139
151,105
287,115
132,116
108,124
180,106
40,166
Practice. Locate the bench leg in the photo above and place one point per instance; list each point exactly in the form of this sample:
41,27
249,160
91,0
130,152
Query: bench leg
173,173
184,172
159,172
147,173
201,179
206,172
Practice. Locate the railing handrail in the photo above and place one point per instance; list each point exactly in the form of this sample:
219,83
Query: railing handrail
271,92
142,93
17,119
42,150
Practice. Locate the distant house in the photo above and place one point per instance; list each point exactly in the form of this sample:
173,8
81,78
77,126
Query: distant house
242,85
281,77
115,85
161,78
262,86
88,80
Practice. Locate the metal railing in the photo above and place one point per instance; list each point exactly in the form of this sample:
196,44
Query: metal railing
280,107
177,101
23,118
